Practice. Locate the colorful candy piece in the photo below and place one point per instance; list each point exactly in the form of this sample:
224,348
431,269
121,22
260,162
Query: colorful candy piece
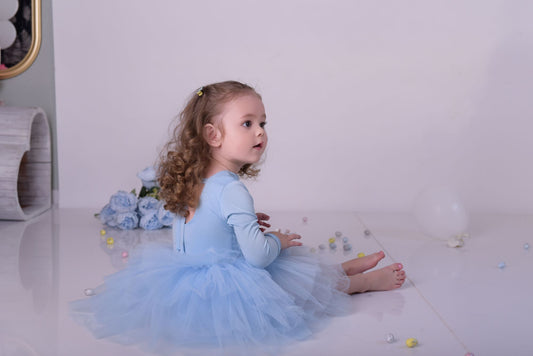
110,241
501,265
89,292
338,234
333,245
360,254
367,232
455,241
305,219
331,240
411,342
390,338
345,239
102,232
322,246
526,246
125,254
347,247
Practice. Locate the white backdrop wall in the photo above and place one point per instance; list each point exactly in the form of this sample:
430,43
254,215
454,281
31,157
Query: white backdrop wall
368,101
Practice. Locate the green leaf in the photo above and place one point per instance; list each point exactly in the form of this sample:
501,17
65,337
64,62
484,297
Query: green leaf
143,192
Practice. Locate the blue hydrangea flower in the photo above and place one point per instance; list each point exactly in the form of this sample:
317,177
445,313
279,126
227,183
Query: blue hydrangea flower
127,221
148,205
148,177
150,221
164,216
123,202
107,215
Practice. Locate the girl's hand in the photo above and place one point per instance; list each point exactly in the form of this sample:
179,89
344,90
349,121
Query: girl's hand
262,220
287,240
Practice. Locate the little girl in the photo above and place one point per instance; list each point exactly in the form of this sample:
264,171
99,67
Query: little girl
225,284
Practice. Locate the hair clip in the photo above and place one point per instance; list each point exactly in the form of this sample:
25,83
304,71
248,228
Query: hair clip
200,91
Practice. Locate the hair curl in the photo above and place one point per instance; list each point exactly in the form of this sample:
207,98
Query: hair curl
186,156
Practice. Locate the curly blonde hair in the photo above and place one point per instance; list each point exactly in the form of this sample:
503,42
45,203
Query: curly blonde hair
186,156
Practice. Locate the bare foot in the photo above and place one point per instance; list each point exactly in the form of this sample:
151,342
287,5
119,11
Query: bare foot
386,278
362,264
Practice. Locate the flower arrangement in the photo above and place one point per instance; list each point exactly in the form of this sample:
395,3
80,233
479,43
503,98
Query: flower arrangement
128,211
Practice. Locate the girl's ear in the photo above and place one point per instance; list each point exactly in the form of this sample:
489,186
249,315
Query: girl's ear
212,135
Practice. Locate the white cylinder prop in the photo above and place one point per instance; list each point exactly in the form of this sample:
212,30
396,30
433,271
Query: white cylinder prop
440,212
25,163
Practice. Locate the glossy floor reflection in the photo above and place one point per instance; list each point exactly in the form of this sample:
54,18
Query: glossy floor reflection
456,299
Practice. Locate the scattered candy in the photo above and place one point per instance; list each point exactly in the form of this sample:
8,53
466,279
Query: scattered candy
456,241
333,245
390,338
304,219
360,254
411,342
125,254
345,239
89,292
347,247
331,240
501,265
322,246
526,246
338,234
367,232
102,232
110,241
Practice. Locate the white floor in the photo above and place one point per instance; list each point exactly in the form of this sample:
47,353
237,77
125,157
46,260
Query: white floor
456,300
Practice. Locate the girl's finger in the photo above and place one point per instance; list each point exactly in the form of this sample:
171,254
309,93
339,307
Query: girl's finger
262,216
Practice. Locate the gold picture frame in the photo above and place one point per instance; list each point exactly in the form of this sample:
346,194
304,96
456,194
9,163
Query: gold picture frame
35,46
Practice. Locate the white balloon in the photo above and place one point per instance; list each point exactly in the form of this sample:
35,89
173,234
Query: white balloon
8,9
8,34
440,212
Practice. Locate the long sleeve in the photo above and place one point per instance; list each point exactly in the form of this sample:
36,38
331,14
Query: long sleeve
238,209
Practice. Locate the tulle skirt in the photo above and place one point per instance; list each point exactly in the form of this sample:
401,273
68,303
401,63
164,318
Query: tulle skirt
166,301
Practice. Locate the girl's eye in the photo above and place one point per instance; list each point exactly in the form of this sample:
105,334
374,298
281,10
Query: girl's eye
262,124
247,123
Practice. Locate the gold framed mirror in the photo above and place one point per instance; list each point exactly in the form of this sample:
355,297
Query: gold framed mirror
23,55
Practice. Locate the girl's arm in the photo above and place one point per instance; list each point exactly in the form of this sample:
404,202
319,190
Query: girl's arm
238,209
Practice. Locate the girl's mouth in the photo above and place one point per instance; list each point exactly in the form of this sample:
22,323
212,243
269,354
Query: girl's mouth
259,145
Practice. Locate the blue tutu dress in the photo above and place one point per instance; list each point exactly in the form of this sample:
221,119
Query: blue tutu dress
223,285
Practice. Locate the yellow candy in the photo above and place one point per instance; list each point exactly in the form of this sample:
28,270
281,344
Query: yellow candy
360,254
411,342
331,240
102,232
110,241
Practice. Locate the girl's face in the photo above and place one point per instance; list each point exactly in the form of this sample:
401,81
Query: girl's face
243,137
